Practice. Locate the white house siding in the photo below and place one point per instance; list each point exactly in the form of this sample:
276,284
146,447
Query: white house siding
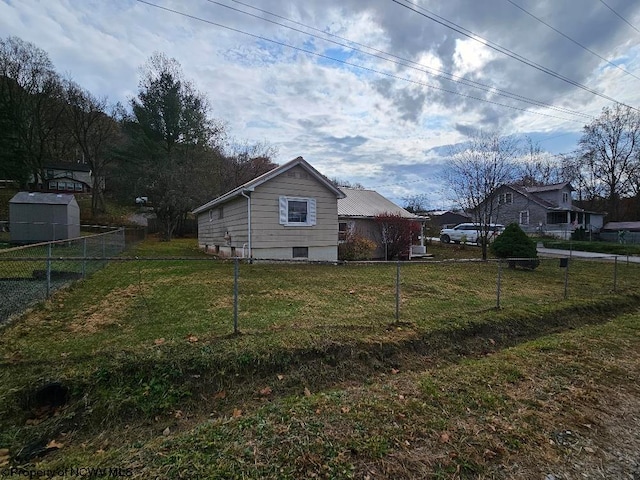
212,229
270,239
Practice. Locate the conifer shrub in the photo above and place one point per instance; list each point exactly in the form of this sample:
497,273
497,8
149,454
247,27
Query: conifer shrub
515,246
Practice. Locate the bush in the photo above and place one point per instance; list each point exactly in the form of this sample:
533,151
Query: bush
579,234
356,247
513,243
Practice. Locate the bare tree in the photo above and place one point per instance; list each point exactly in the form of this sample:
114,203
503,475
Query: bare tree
476,170
538,167
609,150
95,133
32,102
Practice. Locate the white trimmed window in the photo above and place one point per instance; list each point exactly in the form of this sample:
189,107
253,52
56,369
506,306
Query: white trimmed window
524,217
505,198
297,211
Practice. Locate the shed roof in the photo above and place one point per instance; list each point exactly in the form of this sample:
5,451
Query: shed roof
368,203
632,226
43,198
252,184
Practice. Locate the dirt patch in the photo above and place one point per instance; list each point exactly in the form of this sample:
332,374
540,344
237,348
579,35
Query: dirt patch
109,311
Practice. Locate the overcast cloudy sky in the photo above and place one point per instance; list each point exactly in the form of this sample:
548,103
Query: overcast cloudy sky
370,91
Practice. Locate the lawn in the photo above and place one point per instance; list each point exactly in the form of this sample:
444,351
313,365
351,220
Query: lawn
314,379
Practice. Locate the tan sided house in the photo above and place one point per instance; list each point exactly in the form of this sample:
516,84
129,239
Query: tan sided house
290,212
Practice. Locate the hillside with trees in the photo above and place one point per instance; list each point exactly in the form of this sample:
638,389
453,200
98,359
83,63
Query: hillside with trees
163,144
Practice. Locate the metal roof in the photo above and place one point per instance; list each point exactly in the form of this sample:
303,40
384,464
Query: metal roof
368,203
622,226
43,198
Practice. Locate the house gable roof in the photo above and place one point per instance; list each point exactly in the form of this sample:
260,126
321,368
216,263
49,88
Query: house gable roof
368,204
531,194
72,167
252,184
549,188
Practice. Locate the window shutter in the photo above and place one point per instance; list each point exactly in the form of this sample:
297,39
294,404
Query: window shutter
311,205
283,211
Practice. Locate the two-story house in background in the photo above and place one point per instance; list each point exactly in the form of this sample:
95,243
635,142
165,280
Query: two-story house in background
67,178
544,209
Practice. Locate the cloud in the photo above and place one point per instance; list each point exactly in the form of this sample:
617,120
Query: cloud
388,122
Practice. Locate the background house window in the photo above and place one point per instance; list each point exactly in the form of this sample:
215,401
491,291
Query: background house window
565,197
220,212
343,230
297,211
300,252
524,217
505,198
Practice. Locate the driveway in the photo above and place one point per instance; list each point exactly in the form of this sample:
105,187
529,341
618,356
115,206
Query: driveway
557,253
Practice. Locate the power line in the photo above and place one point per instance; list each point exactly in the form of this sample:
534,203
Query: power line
344,62
619,16
505,51
441,73
571,39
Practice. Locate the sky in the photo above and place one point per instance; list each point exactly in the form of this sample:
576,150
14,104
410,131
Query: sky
373,92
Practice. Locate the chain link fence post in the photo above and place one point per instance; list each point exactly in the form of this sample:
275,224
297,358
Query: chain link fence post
236,274
48,270
498,286
398,291
84,258
566,279
615,274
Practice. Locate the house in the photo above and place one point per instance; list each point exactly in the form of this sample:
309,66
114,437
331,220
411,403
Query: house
440,219
358,210
545,209
42,217
290,212
67,177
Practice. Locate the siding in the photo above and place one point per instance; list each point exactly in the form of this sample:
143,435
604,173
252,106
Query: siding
510,213
234,220
267,232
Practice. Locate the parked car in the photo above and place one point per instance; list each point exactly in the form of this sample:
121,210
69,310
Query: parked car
469,233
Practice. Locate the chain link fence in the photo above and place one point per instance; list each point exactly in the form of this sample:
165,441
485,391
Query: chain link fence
31,273
222,296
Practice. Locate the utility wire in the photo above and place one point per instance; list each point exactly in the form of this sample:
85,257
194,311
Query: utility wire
619,16
351,64
572,40
505,51
422,68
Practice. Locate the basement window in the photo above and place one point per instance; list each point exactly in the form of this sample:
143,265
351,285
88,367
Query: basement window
300,252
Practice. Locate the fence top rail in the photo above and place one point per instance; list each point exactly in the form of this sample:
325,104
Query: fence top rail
58,242
286,262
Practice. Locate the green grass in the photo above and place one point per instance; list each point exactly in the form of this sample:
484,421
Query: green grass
148,344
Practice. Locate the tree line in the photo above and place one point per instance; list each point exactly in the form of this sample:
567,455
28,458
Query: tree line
163,143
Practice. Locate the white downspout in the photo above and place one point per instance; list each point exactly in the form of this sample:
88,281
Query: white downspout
248,197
